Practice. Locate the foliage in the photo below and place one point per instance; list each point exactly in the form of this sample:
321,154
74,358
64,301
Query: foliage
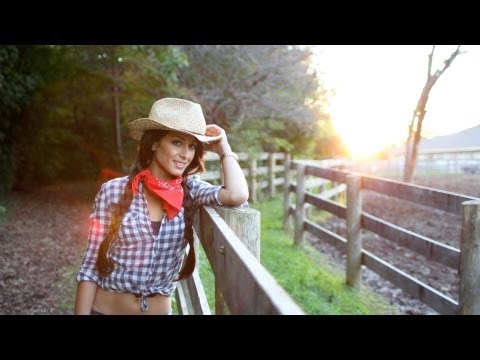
23,70
65,109
58,106
267,97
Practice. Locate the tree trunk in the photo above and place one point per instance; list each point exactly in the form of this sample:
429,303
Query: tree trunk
117,124
415,134
415,128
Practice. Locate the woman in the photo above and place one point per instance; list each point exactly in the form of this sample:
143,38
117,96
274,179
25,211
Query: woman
142,222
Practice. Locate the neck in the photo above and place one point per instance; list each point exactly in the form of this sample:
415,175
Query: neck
157,175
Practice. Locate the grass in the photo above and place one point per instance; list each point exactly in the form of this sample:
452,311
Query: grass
314,284
68,285
208,280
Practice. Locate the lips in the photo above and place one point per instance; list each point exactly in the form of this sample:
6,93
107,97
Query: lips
179,165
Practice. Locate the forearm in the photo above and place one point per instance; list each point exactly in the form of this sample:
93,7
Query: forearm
235,190
86,291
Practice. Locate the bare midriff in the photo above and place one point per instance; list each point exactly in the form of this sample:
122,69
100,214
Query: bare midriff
114,303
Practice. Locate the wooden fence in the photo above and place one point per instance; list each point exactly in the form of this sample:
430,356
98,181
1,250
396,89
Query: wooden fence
231,240
438,161
467,259
264,172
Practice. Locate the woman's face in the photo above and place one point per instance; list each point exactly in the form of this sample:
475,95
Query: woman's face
174,152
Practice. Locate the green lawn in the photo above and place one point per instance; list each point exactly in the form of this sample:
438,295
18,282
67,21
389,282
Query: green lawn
306,274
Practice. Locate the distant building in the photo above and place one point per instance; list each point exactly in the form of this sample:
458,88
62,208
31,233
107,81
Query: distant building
454,153
469,138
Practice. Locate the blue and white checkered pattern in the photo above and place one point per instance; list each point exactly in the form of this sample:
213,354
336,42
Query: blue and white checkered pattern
144,263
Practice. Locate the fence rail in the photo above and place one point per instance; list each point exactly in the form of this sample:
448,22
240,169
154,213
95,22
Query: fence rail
243,285
454,161
264,171
356,219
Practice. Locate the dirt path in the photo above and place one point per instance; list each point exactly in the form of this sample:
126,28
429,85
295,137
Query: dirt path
41,245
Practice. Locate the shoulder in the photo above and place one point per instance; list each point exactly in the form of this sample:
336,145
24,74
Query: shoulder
115,183
192,179
114,188
194,182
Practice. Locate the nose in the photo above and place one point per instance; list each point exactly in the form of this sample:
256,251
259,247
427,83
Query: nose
184,152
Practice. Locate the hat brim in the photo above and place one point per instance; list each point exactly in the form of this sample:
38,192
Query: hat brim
139,126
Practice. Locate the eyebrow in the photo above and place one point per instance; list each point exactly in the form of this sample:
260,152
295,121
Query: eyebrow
184,139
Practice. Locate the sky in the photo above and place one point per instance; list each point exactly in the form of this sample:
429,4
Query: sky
377,88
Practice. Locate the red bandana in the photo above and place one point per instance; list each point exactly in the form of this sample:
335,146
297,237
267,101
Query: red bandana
171,192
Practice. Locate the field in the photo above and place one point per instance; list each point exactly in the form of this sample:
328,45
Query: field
434,224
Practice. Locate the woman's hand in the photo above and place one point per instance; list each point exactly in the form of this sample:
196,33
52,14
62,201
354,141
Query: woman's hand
219,146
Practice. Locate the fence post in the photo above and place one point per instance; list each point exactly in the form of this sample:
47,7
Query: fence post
469,295
245,223
252,172
271,173
286,189
354,240
299,205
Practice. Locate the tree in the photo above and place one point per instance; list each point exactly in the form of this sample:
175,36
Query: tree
415,127
268,97
65,109
24,70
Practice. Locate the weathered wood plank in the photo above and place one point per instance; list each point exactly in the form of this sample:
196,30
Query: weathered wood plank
332,207
330,174
262,184
419,290
272,162
470,260
326,235
431,297
246,285
299,205
431,249
286,193
184,305
354,227
252,179
245,223
197,295
262,170
279,181
211,175
437,199
337,190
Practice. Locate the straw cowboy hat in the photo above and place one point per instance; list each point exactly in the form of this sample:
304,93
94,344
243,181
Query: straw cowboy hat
174,114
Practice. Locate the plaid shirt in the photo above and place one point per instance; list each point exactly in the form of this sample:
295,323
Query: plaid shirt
144,263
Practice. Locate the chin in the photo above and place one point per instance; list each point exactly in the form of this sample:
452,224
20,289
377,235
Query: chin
177,173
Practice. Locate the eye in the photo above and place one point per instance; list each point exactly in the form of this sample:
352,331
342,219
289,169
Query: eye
193,146
176,142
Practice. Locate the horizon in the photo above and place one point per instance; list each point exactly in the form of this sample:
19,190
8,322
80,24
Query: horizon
369,83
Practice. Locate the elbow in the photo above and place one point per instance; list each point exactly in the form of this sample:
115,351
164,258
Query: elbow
240,198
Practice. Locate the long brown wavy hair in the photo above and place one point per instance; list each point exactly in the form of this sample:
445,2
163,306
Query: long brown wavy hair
145,154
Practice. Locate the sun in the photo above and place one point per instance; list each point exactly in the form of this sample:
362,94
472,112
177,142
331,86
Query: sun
364,129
